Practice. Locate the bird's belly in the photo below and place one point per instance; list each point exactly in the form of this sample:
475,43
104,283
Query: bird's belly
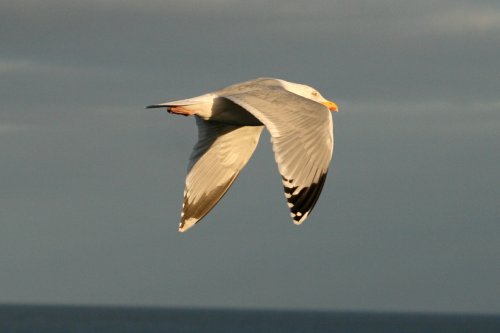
225,111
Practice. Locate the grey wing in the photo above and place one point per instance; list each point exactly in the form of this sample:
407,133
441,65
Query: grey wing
218,157
302,137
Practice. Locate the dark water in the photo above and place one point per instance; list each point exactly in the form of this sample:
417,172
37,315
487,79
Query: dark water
67,319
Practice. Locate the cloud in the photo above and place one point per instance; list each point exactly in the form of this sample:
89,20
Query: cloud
9,128
463,19
10,66
20,67
437,116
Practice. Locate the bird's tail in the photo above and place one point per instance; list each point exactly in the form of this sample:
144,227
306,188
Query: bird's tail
208,98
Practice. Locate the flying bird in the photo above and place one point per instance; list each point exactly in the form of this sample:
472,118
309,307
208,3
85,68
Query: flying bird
230,122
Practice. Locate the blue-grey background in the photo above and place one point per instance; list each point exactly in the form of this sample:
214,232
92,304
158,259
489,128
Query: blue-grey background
91,183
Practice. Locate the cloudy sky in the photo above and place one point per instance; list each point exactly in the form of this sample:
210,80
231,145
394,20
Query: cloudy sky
91,183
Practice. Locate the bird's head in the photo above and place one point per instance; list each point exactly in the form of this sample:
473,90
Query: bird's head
309,93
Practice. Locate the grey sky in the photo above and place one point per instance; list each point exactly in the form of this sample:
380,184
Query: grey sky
91,184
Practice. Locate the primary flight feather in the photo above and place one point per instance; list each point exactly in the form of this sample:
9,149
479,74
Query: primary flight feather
230,121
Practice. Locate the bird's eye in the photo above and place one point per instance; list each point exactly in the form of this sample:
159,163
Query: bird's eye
314,93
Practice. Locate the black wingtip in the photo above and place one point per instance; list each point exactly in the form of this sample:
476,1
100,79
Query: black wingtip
303,202
155,106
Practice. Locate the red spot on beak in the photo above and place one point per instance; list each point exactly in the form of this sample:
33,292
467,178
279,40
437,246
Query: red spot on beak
331,106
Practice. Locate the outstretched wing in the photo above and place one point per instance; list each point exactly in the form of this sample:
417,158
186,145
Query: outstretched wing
218,157
302,137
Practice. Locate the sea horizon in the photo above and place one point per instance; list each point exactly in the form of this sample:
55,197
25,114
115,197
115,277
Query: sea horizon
245,309
52,318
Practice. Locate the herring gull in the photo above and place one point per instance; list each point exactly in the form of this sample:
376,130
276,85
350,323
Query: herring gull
230,122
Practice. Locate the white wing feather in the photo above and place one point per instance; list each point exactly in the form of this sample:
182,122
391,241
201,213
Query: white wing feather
302,137
218,157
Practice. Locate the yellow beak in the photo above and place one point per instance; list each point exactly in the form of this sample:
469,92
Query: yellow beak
331,106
